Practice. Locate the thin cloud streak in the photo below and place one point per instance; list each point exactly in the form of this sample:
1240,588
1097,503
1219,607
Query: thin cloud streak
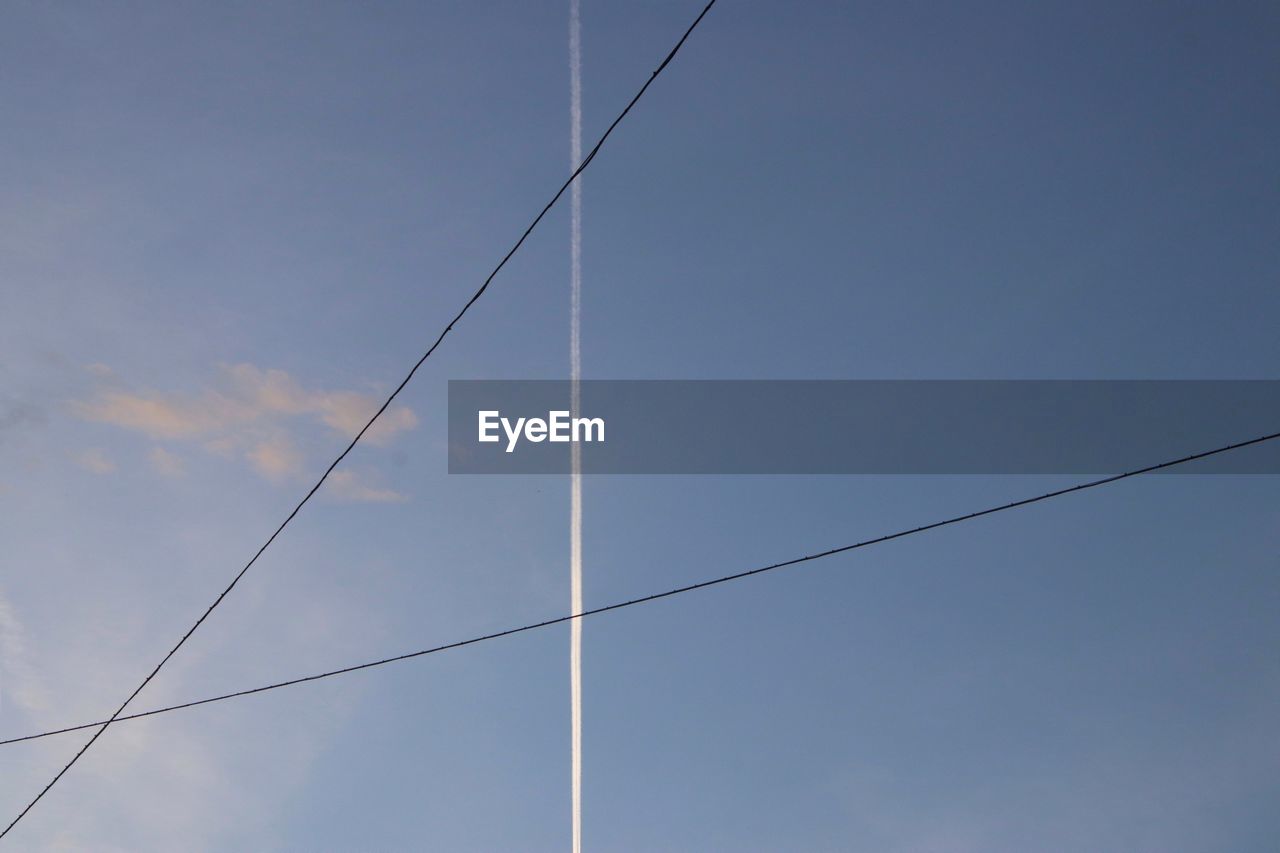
575,375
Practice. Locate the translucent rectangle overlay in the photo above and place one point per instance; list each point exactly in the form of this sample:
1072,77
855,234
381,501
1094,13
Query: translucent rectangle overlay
874,426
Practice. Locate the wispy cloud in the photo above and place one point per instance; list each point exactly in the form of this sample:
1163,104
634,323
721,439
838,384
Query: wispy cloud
166,462
276,459
249,412
172,786
275,392
18,680
96,461
352,486
244,396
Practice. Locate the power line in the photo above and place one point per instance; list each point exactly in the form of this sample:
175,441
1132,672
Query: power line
901,534
581,167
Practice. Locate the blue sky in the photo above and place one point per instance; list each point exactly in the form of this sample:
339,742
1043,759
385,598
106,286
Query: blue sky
224,230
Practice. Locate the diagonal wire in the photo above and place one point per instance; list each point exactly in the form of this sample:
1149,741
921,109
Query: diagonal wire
901,534
480,292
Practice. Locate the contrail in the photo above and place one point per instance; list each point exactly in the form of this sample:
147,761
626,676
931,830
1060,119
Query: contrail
575,400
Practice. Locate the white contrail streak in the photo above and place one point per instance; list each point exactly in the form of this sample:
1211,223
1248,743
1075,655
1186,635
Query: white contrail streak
575,393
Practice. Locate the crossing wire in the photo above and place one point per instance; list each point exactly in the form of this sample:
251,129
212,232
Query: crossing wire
901,534
480,292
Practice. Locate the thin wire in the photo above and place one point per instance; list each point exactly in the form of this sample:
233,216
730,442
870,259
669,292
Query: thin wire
901,534
383,408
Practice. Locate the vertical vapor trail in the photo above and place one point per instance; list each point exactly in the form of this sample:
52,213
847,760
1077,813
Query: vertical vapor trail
575,395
